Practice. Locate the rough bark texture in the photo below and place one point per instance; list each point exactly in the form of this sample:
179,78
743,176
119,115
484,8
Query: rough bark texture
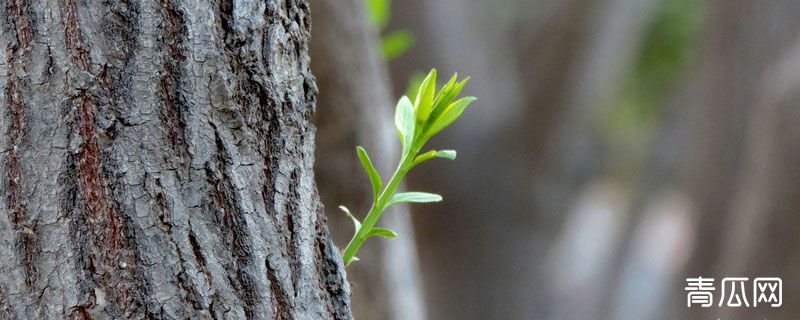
157,163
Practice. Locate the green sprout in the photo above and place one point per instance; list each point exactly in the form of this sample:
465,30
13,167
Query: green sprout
416,123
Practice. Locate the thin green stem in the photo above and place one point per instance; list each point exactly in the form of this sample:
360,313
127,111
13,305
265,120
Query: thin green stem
415,122
377,208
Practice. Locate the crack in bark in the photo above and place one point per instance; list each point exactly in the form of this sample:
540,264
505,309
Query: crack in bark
80,313
29,252
278,294
25,240
12,96
18,17
233,228
291,241
198,254
105,222
172,114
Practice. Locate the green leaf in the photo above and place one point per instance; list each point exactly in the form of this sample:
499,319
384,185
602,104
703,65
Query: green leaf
424,100
378,12
448,116
382,232
417,197
396,43
404,121
414,82
374,177
446,97
446,89
356,223
424,157
447,154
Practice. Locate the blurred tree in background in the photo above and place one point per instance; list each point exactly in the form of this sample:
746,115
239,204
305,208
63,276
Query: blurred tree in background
618,148
356,108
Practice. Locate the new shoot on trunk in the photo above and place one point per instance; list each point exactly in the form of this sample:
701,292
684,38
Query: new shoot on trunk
416,123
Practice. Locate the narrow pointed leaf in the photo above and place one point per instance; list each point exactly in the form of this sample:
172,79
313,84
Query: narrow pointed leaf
447,98
418,197
356,223
404,121
446,91
374,177
425,97
382,232
449,115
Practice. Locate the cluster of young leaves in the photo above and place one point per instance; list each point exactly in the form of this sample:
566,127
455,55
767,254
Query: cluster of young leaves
416,123
394,43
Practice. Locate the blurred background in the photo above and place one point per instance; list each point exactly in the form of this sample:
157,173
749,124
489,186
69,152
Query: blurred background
617,147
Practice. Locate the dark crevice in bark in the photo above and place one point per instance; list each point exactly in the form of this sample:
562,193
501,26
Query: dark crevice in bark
198,255
18,15
112,262
183,280
79,239
279,296
291,207
162,212
271,148
99,210
19,18
16,208
192,296
80,313
29,250
72,36
226,23
234,228
302,15
172,112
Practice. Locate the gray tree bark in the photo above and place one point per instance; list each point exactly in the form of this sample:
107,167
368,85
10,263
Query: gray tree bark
157,163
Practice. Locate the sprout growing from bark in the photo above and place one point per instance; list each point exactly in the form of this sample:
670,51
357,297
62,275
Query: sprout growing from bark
416,123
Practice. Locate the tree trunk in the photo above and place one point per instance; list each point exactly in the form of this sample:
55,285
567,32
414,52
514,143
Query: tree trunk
157,163
743,170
